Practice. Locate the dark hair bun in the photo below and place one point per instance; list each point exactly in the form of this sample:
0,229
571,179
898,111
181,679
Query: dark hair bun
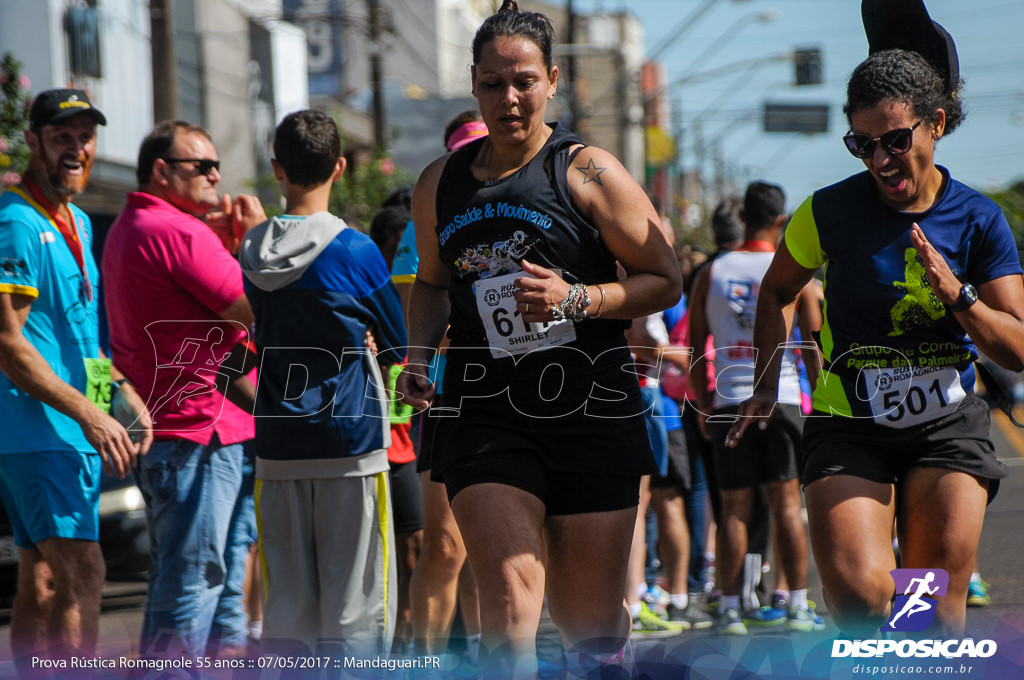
509,22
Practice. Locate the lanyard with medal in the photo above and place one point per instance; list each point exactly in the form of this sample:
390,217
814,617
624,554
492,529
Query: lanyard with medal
67,228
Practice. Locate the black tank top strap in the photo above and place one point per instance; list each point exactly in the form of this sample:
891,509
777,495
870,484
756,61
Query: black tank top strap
458,165
563,149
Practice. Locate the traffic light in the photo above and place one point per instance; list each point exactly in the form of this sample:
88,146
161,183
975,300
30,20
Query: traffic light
808,66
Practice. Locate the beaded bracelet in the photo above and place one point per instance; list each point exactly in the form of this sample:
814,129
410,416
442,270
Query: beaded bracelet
574,305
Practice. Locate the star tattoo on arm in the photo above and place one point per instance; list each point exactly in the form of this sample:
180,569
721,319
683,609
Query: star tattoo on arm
591,173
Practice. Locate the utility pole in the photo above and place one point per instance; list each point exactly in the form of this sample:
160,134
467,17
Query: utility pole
570,63
718,161
375,74
680,187
700,153
165,72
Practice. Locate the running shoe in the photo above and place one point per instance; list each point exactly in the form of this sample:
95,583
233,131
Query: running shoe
707,573
819,623
768,615
657,600
764,617
689,617
649,624
977,594
657,595
799,619
658,609
714,602
729,622
812,607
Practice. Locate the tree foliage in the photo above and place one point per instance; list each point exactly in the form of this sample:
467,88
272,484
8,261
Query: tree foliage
1011,200
15,101
358,195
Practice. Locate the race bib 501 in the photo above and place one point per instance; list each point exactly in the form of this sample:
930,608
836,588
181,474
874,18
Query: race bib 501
902,397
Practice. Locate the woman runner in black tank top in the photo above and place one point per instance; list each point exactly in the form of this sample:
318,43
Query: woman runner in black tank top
516,232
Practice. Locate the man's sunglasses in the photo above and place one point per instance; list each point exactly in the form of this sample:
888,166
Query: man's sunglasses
203,165
895,142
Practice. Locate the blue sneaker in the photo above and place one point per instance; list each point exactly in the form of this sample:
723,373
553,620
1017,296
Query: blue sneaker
977,594
656,595
765,617
819,623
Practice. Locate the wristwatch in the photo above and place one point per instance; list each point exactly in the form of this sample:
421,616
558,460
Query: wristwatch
968,296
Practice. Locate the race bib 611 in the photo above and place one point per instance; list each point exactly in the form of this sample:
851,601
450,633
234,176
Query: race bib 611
507,332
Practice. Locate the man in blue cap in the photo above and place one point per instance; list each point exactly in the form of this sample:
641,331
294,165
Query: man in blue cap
55,388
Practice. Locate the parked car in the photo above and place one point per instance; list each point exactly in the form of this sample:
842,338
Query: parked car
123,537
8,560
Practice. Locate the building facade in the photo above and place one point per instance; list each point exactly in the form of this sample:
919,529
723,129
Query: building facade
229,66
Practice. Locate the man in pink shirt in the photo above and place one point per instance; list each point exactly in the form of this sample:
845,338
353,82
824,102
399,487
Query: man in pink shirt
176,308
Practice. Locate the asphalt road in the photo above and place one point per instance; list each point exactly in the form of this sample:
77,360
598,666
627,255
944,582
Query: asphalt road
764,653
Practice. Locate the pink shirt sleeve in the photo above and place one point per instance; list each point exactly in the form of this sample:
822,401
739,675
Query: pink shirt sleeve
205,269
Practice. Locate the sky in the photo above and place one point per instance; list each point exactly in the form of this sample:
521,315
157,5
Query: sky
986,152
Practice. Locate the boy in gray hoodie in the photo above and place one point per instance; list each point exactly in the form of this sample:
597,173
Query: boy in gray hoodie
322,430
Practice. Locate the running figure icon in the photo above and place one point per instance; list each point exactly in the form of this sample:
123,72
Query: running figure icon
915,603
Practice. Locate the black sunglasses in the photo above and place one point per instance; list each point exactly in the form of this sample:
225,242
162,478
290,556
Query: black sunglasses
895,142
203,165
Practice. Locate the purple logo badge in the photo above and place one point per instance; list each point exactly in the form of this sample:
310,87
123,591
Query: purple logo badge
916,590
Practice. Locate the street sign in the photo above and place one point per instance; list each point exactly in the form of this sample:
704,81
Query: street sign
806,118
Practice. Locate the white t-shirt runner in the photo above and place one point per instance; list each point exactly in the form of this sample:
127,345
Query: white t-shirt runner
733,287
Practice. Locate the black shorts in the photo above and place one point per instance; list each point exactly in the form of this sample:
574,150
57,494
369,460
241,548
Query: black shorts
678,473
427,435
585,417
424,429
406,506
563,493
836,445
767,455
